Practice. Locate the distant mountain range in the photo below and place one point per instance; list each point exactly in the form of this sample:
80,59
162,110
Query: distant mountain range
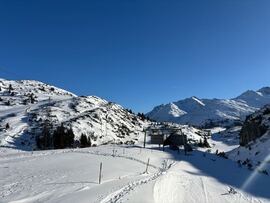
201,112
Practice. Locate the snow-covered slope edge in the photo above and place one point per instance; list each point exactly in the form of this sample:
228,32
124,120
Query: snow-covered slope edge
209,112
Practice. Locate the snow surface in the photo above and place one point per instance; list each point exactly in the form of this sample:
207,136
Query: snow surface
224,140
72,175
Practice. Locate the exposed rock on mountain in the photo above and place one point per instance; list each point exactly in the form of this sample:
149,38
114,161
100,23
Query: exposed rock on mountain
255,126
254,151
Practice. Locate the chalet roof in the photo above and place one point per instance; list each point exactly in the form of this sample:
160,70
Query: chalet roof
163,130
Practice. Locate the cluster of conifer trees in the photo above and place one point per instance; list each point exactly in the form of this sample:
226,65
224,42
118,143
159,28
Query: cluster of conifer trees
61,138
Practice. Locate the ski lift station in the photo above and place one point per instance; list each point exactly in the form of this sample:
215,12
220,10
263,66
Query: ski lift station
166,135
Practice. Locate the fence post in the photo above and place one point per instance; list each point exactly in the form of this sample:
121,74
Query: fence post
147,165
144,140
100,173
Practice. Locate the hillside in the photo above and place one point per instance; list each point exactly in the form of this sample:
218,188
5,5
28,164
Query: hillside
27,107
209,112
255,141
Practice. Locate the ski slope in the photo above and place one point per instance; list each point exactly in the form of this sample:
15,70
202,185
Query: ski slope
72,175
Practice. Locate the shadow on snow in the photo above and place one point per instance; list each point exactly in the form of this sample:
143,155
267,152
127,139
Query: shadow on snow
225,171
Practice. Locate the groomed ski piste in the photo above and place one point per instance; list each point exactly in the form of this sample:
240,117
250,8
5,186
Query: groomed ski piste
72,175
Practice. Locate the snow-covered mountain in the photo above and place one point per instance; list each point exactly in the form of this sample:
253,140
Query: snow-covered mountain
201,112
27,107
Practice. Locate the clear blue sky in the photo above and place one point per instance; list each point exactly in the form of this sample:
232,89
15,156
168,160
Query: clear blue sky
138,53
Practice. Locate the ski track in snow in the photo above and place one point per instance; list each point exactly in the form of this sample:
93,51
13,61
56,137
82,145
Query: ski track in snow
179,186
119,194
204,190
169,186
115,196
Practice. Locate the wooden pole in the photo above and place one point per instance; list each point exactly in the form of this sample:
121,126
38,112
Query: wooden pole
144,140
100,173
147,165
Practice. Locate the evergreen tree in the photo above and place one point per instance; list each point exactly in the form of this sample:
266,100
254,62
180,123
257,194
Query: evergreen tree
69,138
205,142
10,88
63,138
85,141
25,102
200,144
32,99
58,137
44,141
142,116
129,110
8,103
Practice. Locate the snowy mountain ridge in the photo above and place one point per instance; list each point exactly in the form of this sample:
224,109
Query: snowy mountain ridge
27,107
201,112
31,112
